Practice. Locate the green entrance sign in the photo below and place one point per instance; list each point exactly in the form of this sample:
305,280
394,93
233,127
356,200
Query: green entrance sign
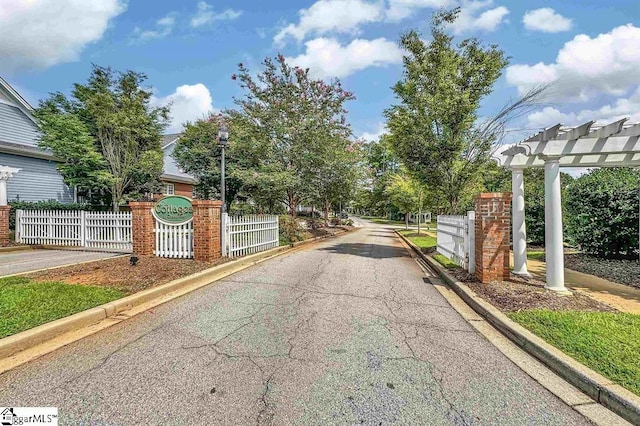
173,210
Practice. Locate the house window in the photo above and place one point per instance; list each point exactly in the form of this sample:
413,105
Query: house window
169,189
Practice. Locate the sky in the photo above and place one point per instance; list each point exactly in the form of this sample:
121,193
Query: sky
588,50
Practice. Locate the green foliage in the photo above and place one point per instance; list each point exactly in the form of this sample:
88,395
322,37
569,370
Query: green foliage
107,134
197,153
41,205
607,342
407,194
25,304
290,230
287,128
602,212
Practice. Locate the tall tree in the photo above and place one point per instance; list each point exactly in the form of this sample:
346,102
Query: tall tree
281,120
434,129
115,110
407,194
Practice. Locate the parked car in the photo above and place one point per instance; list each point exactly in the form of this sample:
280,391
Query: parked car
344,215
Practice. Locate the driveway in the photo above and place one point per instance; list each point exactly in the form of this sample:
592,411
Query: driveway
348,331
16,262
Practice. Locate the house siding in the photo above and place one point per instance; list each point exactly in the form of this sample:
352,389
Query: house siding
38,180
17,127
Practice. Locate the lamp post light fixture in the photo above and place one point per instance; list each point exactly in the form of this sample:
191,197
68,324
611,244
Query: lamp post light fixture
223,138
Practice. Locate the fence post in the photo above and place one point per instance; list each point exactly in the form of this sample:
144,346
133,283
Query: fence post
83,229
4,225
18,226
223,234
471,242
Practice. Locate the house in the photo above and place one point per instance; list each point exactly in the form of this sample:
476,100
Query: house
174,180
38,178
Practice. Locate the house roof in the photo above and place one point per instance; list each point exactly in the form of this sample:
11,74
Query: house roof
169,139
16,99
172,171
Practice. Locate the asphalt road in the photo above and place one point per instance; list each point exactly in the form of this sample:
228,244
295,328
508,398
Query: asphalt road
16,262
348,331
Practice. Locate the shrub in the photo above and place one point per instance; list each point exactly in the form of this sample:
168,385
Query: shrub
290,230
41,205
602,212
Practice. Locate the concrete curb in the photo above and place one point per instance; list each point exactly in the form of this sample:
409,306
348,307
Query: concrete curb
10,249
600,389
11,345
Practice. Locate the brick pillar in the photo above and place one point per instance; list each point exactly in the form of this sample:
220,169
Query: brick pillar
142,223
206,230
4,225
493,224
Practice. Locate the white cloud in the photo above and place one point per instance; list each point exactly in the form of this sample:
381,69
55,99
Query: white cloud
381,129
164,27
36,34
206,15
586,67
401,9
339,16
188,103
546,20
472,18
326,57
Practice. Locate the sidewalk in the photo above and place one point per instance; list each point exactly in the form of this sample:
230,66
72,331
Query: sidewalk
619,296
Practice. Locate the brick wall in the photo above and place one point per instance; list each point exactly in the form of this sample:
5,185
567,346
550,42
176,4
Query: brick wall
493,232
4,225
206,230
142,224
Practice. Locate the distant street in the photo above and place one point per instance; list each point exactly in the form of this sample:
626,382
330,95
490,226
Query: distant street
348,331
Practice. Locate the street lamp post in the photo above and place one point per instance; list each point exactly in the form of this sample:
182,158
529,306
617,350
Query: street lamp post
223,138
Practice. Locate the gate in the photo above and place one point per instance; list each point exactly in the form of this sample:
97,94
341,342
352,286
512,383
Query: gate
174,241
456,239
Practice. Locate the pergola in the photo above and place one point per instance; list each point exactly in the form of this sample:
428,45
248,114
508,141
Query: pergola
614,145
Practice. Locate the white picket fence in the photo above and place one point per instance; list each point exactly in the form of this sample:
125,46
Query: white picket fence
93,230
174,241
249,234
456,239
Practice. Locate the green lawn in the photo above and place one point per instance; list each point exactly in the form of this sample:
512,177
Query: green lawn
606,342
25,304
536,255
428,241
385,221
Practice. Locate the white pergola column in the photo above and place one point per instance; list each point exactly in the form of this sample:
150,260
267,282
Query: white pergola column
519,226
5,174
553,225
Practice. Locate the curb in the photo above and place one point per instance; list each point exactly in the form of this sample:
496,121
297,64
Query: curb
9,249
600,389
11,345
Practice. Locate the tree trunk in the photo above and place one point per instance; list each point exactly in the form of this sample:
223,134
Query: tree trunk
115,198
419,219
406,221
293,204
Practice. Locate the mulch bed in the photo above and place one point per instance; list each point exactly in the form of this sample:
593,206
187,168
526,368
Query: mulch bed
620,271
527,294
150,272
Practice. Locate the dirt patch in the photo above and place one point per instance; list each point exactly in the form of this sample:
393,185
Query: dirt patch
526,294
118,273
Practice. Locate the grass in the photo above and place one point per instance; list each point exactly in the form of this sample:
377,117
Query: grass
536,255
25,304
428,241
385,221
606,342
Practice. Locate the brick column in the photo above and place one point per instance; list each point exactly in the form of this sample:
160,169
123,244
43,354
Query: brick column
493,223
206,230
4,225
142,223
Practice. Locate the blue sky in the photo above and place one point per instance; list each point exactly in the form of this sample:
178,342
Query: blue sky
589,49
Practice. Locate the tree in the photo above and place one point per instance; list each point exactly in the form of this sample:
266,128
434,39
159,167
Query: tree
282,121
197,153
602,212
434,129
407,194
114,109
